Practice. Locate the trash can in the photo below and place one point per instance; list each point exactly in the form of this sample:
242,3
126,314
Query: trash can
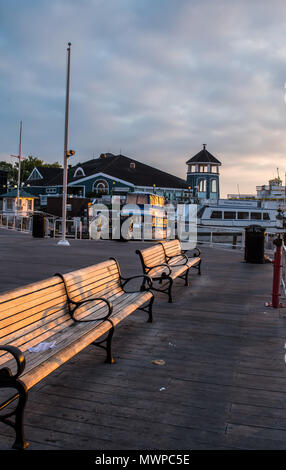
254,244
38,226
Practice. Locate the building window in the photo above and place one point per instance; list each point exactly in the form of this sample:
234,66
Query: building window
29,204
214,186
9,204
214,169
202,186
203,168
266,216
51,190
100,187
79,172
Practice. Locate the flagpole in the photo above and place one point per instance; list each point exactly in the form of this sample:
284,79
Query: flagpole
63,240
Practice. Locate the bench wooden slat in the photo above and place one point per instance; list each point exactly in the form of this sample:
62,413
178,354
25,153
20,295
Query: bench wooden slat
35,298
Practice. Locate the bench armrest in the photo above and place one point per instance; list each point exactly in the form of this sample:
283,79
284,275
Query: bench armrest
177,256
143,286
81,302
165,265
194,254
5,372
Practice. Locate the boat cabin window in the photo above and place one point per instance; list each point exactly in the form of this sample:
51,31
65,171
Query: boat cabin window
216,215
255,215
229,215
243,215
266,216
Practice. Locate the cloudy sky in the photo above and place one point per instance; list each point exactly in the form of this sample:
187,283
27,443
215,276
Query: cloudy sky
152,79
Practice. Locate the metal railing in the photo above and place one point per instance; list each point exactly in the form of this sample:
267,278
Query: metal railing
53,226
73,228
16,222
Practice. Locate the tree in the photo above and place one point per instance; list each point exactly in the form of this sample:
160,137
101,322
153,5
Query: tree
29,163
12,171
27,166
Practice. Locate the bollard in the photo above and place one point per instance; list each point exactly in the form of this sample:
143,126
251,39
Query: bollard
277,265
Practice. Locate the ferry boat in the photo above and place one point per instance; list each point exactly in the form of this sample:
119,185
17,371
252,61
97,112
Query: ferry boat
266,208
241,214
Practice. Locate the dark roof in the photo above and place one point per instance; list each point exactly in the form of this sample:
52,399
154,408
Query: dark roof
13,193
119,166
51,176
204,156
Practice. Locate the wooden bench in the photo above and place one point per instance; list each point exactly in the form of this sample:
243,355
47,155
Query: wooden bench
165,268
74,311
175,255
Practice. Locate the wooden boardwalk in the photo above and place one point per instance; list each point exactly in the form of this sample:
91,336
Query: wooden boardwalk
222,384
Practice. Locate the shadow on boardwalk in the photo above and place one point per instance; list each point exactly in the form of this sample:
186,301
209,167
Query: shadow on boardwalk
222,384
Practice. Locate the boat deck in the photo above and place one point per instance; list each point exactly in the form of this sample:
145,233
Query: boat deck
222,384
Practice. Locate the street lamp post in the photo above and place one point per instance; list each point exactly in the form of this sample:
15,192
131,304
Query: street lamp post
67,154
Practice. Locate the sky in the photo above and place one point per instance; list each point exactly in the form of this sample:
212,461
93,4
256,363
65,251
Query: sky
150,79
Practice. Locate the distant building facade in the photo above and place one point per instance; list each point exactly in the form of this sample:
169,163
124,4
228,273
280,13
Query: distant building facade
203,175
106,176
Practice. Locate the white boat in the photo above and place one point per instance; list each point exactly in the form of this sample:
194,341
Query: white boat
239,214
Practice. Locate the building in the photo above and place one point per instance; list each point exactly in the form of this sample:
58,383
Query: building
27,202
106,176
203,175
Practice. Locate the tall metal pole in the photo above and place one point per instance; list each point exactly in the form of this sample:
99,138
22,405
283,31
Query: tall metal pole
19,167
63,241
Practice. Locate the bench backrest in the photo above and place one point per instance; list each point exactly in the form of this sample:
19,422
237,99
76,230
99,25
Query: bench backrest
29,315
98,281
150,257
172,247
32,314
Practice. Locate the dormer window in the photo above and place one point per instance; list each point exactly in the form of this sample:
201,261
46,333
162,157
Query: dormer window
35,175
79,172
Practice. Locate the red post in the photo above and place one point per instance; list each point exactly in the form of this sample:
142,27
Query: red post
277,274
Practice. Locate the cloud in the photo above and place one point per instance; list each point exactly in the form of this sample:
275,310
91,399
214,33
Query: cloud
153,80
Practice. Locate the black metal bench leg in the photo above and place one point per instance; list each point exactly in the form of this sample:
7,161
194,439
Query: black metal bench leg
18,413
109,358
108,347
170,290
150,310
187,277
199,268
20,441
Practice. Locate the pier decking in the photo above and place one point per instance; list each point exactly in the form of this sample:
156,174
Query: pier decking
222,384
